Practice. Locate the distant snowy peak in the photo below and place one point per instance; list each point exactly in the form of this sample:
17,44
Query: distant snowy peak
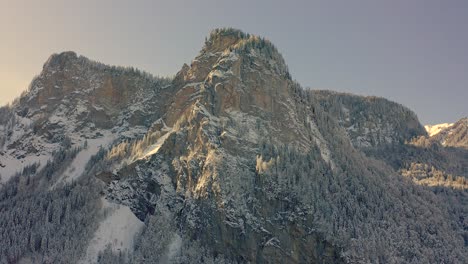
450,135
432,130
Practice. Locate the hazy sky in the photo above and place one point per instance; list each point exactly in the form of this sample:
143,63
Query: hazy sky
413,52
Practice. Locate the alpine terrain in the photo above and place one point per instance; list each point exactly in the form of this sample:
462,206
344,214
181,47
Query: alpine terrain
229,161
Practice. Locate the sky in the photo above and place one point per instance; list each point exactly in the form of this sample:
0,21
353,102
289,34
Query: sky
412,52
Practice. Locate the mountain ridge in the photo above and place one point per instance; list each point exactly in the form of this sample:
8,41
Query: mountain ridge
230,161
451,135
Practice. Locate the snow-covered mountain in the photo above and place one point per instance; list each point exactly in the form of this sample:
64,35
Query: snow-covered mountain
450,135
76,102
435,129
231,161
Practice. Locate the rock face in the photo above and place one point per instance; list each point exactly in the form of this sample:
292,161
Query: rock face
230,161
233,98
76,100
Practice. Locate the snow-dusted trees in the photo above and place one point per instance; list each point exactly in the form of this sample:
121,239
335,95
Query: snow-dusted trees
246,43
7,123
49,227
108,256
155,240
355,209
375,119
44,225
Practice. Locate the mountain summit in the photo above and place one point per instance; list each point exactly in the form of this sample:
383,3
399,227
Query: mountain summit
230,161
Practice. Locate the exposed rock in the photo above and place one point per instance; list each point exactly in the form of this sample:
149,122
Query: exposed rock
216,175
234,156
77,99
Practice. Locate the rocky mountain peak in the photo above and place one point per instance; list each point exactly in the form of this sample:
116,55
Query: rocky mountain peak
227,44
62,74
229,38
75,99
240,73
67,77
223,38
58,61
236,59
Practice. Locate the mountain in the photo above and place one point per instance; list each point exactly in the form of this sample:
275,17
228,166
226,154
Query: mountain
371,121
230,161
73,101
435,129
391,133
451,135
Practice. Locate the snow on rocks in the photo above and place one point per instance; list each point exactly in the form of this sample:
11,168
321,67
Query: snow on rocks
77,167
435,129
10,165
248,124
321,143
153,149
13,160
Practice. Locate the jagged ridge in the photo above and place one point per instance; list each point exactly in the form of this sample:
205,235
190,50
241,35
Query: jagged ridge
238,163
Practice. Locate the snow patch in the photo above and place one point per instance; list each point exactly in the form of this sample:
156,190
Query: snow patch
248,124
23,124
118,230
219,74
76,168
9,165
174,247
321,143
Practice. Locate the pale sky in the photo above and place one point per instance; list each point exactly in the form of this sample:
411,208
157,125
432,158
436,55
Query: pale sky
412,52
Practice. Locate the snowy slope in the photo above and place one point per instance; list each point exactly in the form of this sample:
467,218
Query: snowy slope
90,148
118,230
450,135
433,130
